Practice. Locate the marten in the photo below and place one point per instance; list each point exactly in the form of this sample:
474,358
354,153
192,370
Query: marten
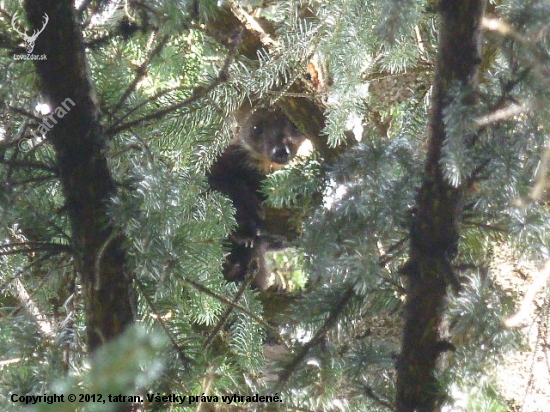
266,140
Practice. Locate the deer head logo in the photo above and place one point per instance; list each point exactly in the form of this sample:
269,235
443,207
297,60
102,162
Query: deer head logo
29,40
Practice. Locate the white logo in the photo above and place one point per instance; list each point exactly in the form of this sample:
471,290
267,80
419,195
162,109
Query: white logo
29,40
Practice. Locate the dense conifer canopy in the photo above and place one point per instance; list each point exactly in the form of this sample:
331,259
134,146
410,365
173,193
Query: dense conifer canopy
430,125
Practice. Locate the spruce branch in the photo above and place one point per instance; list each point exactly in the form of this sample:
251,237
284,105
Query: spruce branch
492,228
141,72
206,387
150,99
541,178
541,57
45,327
26,298
144,148
186,361
84,5
382,402
24,269
26,113
228,302
392,252
501,115
197,94
28,165
525,310
317,339
29,247
37,179
252,24
223,319
9,362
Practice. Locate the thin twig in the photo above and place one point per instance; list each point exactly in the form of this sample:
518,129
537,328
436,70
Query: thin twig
44,325
20,247
524,312
541,178
150,99
222,299
27,164
23,270
141,72
251,24
501,115
329,323
540,57
198,93
163,325
223,319
370,393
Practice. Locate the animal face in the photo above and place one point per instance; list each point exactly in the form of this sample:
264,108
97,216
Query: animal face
271,135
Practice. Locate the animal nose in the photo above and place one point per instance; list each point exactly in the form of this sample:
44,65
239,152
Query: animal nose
280,154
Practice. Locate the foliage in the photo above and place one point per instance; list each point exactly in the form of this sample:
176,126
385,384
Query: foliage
167,122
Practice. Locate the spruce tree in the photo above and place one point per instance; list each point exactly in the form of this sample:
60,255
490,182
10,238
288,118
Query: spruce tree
429,125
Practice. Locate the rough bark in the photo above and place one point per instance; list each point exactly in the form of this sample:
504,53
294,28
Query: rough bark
435,229
79,142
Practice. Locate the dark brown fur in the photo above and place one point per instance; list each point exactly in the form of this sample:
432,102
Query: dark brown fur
266,141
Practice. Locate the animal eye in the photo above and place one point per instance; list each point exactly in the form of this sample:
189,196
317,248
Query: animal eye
258,129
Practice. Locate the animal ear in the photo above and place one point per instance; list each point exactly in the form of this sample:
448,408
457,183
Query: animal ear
248,108
243,112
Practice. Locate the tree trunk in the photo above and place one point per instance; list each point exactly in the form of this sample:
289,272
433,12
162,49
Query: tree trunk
78,139
435,229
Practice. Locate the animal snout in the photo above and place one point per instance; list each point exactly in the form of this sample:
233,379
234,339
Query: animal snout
281,154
